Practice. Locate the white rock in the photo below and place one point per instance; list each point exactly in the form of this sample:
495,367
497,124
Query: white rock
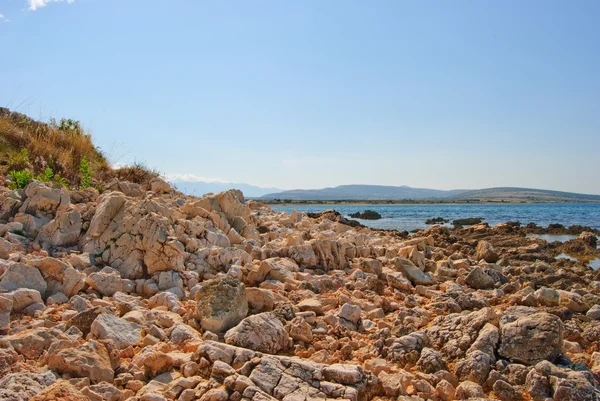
122,332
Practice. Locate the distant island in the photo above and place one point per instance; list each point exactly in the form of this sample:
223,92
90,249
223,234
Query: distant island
373,194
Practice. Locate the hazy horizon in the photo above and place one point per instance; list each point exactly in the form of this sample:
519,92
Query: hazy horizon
461,95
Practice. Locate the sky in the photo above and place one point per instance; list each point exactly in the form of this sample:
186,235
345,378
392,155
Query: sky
311,94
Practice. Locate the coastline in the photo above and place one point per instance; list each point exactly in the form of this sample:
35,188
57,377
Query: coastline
408,202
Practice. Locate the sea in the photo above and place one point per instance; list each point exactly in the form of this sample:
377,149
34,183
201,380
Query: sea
410,217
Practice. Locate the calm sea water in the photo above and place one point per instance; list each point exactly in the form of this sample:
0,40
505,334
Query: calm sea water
409,217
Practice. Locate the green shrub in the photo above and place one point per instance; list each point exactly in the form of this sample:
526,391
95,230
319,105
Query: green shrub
85,174
20,178
47,175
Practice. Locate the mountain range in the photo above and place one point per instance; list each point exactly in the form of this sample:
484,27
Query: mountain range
379,192
383,192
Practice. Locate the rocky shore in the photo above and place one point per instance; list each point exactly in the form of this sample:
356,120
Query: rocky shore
144,294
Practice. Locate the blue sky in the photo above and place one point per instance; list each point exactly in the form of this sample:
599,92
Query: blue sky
307,94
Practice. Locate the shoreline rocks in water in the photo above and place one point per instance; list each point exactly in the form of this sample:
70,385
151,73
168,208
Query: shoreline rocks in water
156,296
469,221
366,215
437,220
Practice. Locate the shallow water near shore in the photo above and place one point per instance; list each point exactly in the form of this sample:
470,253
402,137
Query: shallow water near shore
410,217
553,237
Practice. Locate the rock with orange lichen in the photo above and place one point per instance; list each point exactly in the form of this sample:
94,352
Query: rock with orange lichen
60,391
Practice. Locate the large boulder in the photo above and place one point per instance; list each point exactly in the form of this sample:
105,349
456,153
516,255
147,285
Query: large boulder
63,230
263,332
23,297
122,332
528,336
134,236
19,275
43,201
91,360
60,276
222,304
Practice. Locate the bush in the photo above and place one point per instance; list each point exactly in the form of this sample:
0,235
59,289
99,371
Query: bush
137,173
85,174
19,178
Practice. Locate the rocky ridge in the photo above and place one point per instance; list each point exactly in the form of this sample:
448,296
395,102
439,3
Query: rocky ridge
152,295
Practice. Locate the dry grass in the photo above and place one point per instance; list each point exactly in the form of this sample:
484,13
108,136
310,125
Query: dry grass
137,173
58,146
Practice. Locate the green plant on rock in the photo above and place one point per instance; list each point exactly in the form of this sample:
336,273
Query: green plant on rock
46,176
19,178
85,174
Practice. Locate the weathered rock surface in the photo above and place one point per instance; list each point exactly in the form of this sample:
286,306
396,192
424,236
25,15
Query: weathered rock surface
120,331
263,332
222,304
91,360
528,337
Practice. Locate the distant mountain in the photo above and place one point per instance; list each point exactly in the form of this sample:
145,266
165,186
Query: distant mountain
364,192
379,192
199,188
523,194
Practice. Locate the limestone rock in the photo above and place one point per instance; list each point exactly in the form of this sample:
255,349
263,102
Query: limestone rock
413,273
222,304
64,230
528,338
547,296
350,313
6,305
24,386
263,332
479,280
5,248
60,391
19,275
90,359
122,332
300,330
107,281
486,252
43,201
59,276
23,297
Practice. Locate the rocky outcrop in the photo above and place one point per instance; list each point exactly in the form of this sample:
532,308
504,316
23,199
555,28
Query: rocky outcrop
143,295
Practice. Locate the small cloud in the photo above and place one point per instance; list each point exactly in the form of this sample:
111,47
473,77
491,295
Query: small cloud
35,4
193,178
3,18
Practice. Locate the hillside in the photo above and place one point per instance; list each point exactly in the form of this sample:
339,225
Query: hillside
524,195
363,192
377,192
58,152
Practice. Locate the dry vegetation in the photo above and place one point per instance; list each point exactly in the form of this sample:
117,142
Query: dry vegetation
33,146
